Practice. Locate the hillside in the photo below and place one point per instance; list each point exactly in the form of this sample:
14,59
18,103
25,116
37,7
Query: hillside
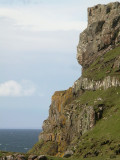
84,120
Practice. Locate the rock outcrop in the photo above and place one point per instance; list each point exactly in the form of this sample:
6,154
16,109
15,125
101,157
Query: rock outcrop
75,111
64,122
86,84
18,156
102,33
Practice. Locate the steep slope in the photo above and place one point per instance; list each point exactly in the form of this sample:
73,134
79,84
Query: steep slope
85,118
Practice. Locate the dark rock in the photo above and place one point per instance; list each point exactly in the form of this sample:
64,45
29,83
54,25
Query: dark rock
112,156
42,157
87,155
96,153
68,154
20,157
10,157
112,148
3,158
117,151
32,157
105,142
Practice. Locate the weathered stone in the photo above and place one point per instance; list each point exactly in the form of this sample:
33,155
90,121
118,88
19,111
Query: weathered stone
42,157
68,154
20,157
69,117
117,64
3,158
10,157
32,157
63,125
87,84
102,33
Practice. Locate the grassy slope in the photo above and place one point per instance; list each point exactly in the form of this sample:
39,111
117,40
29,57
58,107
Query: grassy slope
104,139
103,66
44,148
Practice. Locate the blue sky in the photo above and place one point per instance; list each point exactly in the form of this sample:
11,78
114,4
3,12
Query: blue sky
37,56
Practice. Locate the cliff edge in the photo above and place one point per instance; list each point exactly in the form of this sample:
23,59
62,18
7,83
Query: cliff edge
84,120
101,34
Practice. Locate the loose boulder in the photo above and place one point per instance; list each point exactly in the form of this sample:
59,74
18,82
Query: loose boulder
68,154
10,157
32,157
20,157
42,157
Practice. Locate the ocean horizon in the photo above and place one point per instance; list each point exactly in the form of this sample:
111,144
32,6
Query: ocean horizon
18,140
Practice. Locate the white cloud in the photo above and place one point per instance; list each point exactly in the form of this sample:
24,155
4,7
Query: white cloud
43,19
14,89
48,17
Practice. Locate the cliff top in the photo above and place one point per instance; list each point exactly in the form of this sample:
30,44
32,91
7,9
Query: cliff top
101,35
103,12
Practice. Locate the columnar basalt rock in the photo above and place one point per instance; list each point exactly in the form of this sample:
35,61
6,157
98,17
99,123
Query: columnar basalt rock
102,33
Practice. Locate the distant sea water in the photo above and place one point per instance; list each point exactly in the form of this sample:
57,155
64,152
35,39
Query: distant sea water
18,140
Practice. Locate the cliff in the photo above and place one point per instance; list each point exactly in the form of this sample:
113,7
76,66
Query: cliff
101,35
83,120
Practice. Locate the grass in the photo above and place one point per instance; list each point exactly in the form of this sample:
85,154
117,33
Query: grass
103,140
42,147
92,158
2,154
103,66
109,97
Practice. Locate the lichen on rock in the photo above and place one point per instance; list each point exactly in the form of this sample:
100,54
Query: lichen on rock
75,111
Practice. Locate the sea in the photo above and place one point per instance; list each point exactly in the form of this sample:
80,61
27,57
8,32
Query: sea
18,140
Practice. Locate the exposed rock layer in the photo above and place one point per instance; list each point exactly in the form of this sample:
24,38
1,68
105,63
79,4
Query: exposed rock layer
86,84
70,116
18,156
102,33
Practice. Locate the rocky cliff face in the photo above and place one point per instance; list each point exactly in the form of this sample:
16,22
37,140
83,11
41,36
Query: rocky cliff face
65,122
102,33
75,111
86,84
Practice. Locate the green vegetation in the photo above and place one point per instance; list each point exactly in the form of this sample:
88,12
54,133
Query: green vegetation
109,97
4,153
93,158
104,139
113,156
103,66
42,147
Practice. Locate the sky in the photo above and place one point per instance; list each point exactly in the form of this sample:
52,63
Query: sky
38,43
